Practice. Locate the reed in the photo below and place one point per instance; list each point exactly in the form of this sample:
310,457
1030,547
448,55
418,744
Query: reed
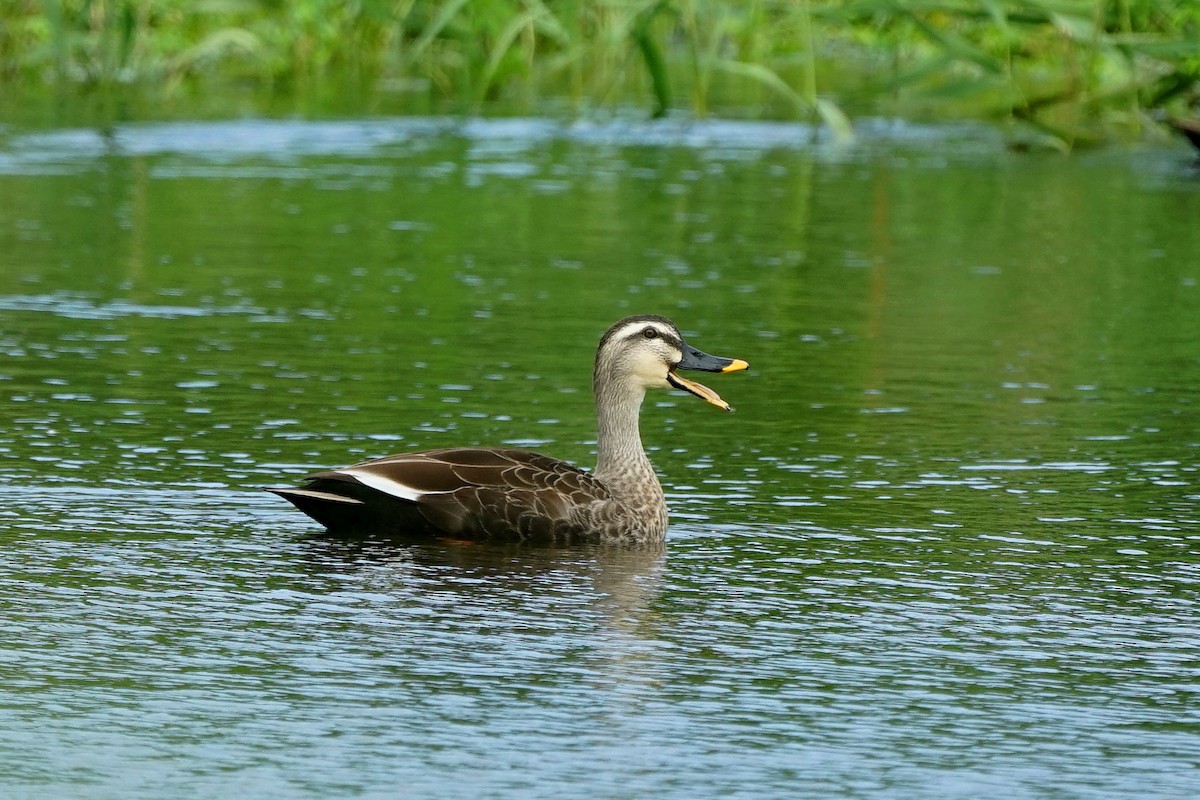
1066,69
1071,69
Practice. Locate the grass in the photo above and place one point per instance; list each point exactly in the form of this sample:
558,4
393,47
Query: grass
1066,71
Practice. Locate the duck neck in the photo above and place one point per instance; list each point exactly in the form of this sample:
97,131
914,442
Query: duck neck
621,462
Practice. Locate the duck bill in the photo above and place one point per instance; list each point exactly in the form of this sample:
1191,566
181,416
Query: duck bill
694,359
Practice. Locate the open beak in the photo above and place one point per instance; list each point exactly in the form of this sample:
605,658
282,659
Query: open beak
694,359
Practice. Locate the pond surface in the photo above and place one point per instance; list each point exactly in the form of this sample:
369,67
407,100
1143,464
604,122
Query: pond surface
948,546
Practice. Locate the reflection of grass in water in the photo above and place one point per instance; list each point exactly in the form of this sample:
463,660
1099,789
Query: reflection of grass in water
1066,67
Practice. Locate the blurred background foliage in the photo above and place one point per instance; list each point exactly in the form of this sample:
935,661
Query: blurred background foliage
1069,71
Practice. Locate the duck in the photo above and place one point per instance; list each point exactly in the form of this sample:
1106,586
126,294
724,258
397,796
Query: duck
472,493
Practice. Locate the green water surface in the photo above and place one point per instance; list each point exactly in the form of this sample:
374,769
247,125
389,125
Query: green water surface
947,547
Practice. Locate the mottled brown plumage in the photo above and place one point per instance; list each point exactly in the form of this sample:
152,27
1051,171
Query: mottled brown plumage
493,493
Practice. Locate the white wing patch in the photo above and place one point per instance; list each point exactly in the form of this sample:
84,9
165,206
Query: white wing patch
386,485
328,497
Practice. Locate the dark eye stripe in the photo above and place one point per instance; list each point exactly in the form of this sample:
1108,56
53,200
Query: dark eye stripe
640,332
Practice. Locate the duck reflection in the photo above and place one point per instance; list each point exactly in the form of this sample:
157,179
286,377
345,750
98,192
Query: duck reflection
620,582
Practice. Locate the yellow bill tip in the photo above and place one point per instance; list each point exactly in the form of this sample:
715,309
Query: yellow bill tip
736,365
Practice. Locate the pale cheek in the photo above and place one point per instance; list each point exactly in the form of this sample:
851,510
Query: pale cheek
652,376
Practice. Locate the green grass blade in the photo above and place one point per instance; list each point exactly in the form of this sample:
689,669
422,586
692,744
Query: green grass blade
504,43
836,120
436,25
958,47
656,64
827,111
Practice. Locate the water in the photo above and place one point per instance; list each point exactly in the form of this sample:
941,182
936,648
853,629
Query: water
946,548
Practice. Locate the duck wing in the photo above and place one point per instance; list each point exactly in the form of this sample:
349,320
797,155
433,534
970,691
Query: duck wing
468,492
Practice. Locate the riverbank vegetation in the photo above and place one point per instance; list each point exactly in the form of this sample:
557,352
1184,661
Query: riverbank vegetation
1069,71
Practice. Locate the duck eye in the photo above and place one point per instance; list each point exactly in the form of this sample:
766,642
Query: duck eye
650,333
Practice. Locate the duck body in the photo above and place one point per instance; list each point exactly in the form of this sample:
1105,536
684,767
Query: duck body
486,493
477,493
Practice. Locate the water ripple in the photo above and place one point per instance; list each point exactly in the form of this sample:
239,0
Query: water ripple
286,141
